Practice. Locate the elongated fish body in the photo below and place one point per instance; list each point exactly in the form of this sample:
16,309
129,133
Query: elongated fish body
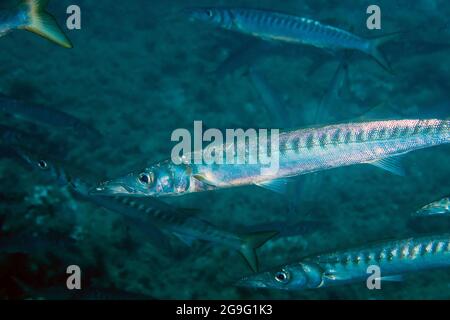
272,25
48,116
276,26
312,150
394,258
187,227
299,152
436,208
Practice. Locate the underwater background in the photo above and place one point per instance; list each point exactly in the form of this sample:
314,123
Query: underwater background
140,69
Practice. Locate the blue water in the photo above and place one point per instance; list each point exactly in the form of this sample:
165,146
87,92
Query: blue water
139,70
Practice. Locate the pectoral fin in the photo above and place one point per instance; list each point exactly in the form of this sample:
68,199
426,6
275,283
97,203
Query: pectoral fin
397,278
201,178
393,165
377,54
278,186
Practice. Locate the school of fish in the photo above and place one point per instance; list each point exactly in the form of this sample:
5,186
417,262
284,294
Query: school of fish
139,196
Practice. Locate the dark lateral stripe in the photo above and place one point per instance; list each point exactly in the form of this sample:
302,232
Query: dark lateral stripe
310,141
323,140
348,137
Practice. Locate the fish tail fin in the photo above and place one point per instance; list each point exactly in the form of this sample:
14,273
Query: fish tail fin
43,23
251,242
376,52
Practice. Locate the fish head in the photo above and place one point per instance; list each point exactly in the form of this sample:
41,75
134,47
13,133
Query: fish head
440,207
159,180
287,277
204,14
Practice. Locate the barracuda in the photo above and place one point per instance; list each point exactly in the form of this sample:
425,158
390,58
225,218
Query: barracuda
280,27
300,152
394,258
189,228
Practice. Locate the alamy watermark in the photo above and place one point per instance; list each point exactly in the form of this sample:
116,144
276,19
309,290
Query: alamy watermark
74,280
374,20
374,280
73,21
235,147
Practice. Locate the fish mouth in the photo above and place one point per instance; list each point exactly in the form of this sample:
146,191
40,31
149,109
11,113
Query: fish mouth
111,188
250,282
430,212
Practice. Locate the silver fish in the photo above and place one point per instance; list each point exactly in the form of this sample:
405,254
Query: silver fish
300,152
188,227
276,26
394,258
31,15
436,208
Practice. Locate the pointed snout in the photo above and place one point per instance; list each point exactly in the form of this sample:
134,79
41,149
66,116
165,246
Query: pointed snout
110,188
251,282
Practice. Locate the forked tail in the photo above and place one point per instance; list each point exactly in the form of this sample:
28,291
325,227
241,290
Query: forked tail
43,23
375,52
251,242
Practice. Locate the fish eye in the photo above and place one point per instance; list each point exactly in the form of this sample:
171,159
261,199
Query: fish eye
282,276
145,178
42,164
209,13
